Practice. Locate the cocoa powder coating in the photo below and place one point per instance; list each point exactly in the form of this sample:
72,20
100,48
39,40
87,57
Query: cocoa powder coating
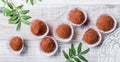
105,23
91,36
16,43
76,16
64,31
38,27
47,45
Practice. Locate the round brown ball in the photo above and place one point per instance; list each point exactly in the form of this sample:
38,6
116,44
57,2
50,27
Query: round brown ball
76,16
64,31
105,23
38,27
91,36
47,45
16,43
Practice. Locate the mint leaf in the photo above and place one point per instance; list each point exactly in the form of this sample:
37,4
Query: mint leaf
65,55
79,48
25,17
5,10
70,52
76,59
73,49
24,11
85,51
13,18
32,2
19,7
82,58
3,1
18,26
26,1
9,5
11,13
14,22
25,21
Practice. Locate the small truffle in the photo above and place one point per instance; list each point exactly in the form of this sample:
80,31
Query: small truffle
47,45
91,36
16,43
63,31
38,27
76,16
105,23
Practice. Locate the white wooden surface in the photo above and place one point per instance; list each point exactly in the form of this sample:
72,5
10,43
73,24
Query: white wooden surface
52,14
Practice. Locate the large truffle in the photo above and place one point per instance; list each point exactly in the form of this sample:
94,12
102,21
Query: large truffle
105,23
76,16
38,27
91,36
16,43
47,45
63,31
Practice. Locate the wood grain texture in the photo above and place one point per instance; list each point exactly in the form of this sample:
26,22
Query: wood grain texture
52,15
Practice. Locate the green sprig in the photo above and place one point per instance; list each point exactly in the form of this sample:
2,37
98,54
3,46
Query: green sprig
31,1
15,13
76,55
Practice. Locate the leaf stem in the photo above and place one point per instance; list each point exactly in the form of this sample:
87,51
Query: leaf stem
16,10
5,3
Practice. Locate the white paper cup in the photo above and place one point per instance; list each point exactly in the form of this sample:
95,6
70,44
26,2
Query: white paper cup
11,50
55,50
45,34
85,14
115,24
95,44
62,39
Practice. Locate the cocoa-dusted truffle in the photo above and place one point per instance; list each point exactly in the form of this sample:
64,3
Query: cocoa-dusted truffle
91,36
47,45
76,16
64,31
105,23
16,43
38,27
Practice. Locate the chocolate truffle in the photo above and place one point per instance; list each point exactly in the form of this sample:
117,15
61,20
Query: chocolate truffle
47,45
91,36
76,16
63,31
38,27
16,43
105,23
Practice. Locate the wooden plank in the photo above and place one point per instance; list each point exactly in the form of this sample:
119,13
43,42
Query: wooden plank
50,15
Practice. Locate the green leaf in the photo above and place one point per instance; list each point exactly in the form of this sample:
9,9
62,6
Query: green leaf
3,1
82,58
76,59
79,48
5,10
9,5
65,55
26,1
19,7
25,21
11,13
18,26
73,49
70,52
13,18
85,51
24,11
14,22
26,17
32,2
70,60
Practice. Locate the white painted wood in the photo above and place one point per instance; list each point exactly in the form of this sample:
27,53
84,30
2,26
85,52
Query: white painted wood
52,14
